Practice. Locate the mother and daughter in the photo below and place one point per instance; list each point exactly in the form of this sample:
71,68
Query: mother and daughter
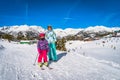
46,47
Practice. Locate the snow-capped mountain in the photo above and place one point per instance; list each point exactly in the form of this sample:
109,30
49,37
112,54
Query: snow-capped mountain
21,28
97,29
25,29
66,32
14,30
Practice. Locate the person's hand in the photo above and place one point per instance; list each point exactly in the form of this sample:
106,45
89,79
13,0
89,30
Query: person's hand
48,51
56,43
55,40
39,51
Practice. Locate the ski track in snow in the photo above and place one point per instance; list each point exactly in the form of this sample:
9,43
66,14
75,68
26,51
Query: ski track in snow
17,64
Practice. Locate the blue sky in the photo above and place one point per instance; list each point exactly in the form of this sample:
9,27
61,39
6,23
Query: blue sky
60,13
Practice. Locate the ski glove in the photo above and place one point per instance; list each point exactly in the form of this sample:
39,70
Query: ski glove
39,51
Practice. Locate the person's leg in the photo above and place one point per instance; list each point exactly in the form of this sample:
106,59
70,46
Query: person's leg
54,51
40,59
50,52
45,57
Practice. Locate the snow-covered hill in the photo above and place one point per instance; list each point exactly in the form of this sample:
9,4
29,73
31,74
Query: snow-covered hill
84,61
107,49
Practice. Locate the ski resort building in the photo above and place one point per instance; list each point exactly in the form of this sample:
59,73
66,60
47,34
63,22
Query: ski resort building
25,42
28,41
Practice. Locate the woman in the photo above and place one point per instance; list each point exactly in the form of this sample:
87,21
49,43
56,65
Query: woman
51,38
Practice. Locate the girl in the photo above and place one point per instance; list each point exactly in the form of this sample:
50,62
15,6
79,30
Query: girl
43,49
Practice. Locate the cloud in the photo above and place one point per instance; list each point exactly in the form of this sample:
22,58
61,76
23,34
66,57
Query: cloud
110,17
67,18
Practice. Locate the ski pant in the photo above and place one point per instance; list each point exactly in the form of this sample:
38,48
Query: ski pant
42,55
52,52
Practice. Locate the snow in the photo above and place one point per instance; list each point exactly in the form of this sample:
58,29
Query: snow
72,31
19,28
26,28
23,28
60,32
66,32
88,61
101,29
108,52
98,29
118,34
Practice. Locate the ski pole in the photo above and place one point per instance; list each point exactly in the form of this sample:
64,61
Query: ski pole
35,59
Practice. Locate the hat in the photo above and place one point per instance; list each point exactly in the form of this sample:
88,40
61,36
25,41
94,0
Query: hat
42,34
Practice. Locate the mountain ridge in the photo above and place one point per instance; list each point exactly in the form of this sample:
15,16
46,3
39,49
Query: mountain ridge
60,32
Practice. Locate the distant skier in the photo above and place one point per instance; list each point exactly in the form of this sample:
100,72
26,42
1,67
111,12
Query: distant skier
43,49
51,38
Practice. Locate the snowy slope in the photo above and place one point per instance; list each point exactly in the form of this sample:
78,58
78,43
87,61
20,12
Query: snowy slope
108,52
17,64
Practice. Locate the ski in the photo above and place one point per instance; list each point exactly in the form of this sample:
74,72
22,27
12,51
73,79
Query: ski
42,68
50,68
46,67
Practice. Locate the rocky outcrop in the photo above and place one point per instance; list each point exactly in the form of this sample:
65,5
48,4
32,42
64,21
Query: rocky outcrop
1,47
60,44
